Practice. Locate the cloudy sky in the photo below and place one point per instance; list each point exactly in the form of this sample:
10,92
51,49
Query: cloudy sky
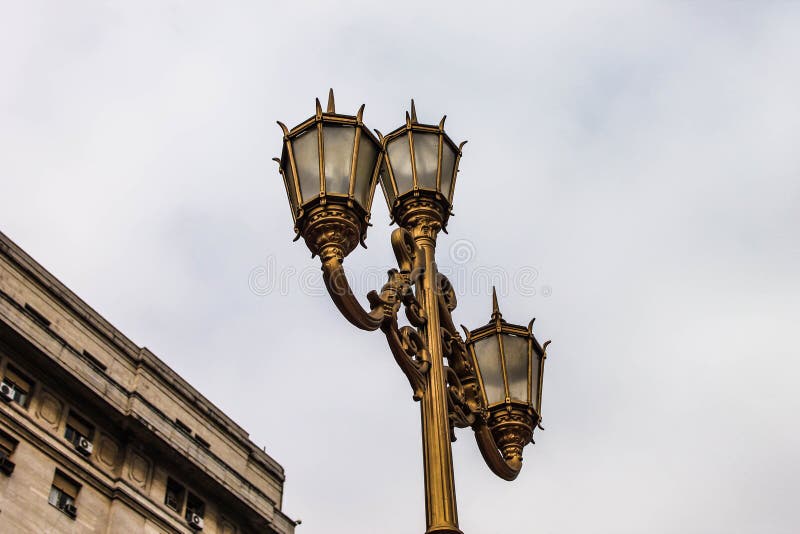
632,172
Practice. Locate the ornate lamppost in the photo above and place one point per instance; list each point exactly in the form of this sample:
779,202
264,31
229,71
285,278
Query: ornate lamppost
492,381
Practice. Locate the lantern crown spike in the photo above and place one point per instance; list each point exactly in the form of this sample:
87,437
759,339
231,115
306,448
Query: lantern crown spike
331,102
413,112
496,315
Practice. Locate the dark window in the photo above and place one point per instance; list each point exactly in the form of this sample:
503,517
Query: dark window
175,495
7,444
19,384
194,506
63,493
38,316
94,361
7,447
183,427
77,428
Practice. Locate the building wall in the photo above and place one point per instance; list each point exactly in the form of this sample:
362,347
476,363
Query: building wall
149,425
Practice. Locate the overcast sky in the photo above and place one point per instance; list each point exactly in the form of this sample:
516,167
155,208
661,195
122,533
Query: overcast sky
633,169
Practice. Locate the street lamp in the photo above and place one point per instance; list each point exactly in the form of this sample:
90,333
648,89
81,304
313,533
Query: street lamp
491,382
509,365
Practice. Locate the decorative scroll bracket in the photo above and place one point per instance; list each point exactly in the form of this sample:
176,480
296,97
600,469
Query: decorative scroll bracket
407,345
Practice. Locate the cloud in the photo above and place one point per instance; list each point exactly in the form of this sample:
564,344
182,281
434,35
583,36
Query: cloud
639,156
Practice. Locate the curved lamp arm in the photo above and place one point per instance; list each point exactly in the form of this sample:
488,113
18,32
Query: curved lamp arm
505,469
342,295
407,345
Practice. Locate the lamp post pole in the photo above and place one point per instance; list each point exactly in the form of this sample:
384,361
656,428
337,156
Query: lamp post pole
331,165
441,512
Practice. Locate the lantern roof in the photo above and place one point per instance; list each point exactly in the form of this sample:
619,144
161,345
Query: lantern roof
329,116
498,325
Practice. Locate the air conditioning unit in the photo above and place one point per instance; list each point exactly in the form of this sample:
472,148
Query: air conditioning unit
6,465
84,446
7,392
70,510
195,521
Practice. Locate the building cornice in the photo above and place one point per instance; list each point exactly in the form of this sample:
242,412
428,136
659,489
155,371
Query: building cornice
138,356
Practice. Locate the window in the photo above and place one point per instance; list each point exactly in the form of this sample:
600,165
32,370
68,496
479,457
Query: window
175,495
63,493
94,361
194,506
183,427
7,447
77,428
19,384
37,315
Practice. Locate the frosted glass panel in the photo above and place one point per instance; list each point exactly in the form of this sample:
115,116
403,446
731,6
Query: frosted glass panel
367,160
386,184
426,157
337,144
537,361
487,352
288,179
306,155
400,160
516,353
448,164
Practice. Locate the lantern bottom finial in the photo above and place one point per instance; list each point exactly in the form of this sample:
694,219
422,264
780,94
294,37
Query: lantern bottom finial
512,428
332,229
424,213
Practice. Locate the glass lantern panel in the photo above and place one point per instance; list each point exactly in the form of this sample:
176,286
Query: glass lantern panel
487,352
386,184
400,160
337,150
365,170
426,157
535,378
288,180
515,349
306,155
448,169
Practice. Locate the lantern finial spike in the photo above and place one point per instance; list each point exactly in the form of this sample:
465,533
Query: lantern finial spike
466,332
331,103
496,315
413,112
318,107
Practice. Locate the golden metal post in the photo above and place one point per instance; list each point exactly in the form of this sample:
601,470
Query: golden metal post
424,220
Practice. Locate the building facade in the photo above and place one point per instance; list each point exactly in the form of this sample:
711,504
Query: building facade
97,435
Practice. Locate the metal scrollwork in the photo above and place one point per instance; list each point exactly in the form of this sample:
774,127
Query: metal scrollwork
462,412
465,407
447,293
407,345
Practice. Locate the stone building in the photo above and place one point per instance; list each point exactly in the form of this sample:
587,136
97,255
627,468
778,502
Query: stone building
97,435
